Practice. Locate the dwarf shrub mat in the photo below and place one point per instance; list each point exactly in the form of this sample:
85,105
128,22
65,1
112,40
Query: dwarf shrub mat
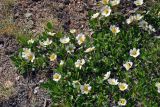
117,63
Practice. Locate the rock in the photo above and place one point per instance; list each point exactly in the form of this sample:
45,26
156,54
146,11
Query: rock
36,90
41,81
27,15
30,24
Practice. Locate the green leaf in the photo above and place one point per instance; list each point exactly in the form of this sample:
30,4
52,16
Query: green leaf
49,25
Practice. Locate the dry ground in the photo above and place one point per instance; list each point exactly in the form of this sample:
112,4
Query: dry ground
18,17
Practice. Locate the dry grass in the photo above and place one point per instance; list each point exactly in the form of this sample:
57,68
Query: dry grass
6,91
7,26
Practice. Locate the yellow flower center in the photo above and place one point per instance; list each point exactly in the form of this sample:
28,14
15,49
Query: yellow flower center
105,1
53,57
85,88
106,11
122,87
114,30
138,3
82,39
122,101
128,65
134,52
56,76
30,57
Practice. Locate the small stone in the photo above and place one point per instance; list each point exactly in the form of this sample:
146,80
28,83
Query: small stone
28,15
36,90
17,78
41,81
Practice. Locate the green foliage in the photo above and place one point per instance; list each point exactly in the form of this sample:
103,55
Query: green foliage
112,50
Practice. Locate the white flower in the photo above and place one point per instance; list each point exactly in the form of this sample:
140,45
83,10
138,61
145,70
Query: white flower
51,34
61,62
95,15
150,27
53,57
138,2
107,75
143,24
114,29
122,86
81,38
113,81
45,43
79,63
76,84
64,40
28,55
72,31
85,89
138,17
56,77
134,52
158,86
70,48
122,102
158,90
30,41
105,2
114,2
130,20
89,49
106,11
128,65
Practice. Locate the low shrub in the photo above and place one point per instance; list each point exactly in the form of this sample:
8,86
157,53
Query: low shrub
116,63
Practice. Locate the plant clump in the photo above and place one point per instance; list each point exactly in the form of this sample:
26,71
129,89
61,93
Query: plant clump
114,65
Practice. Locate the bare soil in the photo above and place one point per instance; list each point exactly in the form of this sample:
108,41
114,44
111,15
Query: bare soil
32,15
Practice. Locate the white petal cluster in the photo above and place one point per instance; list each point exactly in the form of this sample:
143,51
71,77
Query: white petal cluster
64,40
53,57
51,34
79,63
28,55
56,77
158,86
138,2
114,2
105,2
114,29
133,18
89,49
106,11
85,89
81,38
107,75
45,43
94,16
30,41
122,102
128,65
122,86
113,81
144,25
134,52
72,31
70,48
